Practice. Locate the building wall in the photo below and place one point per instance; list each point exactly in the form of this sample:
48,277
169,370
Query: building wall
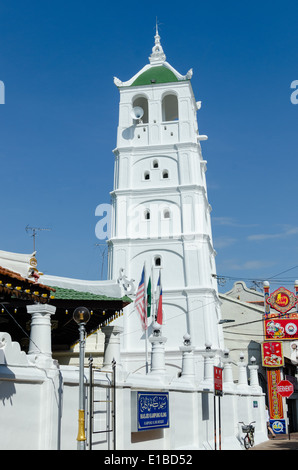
245,332
182,240
39,408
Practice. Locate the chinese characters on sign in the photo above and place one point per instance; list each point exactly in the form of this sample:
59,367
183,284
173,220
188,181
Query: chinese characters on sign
272,354
282,300
275,400
284,325
279,325
276,411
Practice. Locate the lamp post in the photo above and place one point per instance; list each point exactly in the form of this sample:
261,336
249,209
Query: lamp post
81,316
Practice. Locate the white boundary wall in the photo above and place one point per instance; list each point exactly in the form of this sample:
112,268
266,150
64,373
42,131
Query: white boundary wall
39,406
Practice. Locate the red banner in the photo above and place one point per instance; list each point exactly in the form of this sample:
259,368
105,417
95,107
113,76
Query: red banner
272,354
281,328
275,400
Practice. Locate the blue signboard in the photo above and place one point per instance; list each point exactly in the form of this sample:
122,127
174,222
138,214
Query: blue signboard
278,426
152,410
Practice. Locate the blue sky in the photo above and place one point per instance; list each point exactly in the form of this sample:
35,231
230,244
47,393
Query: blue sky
58,124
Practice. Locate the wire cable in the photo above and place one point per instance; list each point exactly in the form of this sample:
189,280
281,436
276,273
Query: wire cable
25,332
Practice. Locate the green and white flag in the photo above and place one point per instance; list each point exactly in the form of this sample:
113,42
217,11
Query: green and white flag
149,298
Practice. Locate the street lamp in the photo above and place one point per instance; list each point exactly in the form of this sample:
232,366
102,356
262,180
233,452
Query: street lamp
81,316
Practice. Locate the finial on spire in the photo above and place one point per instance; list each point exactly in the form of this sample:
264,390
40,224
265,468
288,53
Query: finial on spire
158,55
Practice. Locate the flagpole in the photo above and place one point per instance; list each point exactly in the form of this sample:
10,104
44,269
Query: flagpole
155,299
159,280
146,330
153,295
159,302
158,294
146,351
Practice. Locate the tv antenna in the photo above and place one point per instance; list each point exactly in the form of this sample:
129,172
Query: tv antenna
34,231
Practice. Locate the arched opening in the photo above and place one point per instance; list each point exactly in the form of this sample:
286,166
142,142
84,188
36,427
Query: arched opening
143,103
166,214
146,175
147,214
157,261
165,174
155,164
170,108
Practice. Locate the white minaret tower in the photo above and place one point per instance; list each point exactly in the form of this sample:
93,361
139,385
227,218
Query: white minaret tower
161,214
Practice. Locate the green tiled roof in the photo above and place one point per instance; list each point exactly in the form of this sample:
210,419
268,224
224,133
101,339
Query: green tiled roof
71,294
159,74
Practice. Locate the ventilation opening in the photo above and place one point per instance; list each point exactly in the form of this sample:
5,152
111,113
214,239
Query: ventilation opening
147,175
165,174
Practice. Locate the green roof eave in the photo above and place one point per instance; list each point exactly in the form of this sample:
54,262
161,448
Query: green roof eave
71,294
154,75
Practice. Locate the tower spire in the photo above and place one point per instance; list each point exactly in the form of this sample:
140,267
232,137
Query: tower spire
158,55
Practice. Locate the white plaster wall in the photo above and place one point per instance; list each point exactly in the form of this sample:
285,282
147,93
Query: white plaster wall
39,409
184,241
20,392
182,130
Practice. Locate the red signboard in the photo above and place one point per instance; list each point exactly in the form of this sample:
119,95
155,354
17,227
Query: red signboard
272,354
282,300
275,400
218,381
285,388
281,328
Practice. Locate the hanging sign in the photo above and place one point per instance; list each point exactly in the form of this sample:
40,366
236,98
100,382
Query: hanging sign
282,300
218,390
281,328
272,354
276,411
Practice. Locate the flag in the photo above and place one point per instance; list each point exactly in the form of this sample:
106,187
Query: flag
140,301
149,298
159,308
